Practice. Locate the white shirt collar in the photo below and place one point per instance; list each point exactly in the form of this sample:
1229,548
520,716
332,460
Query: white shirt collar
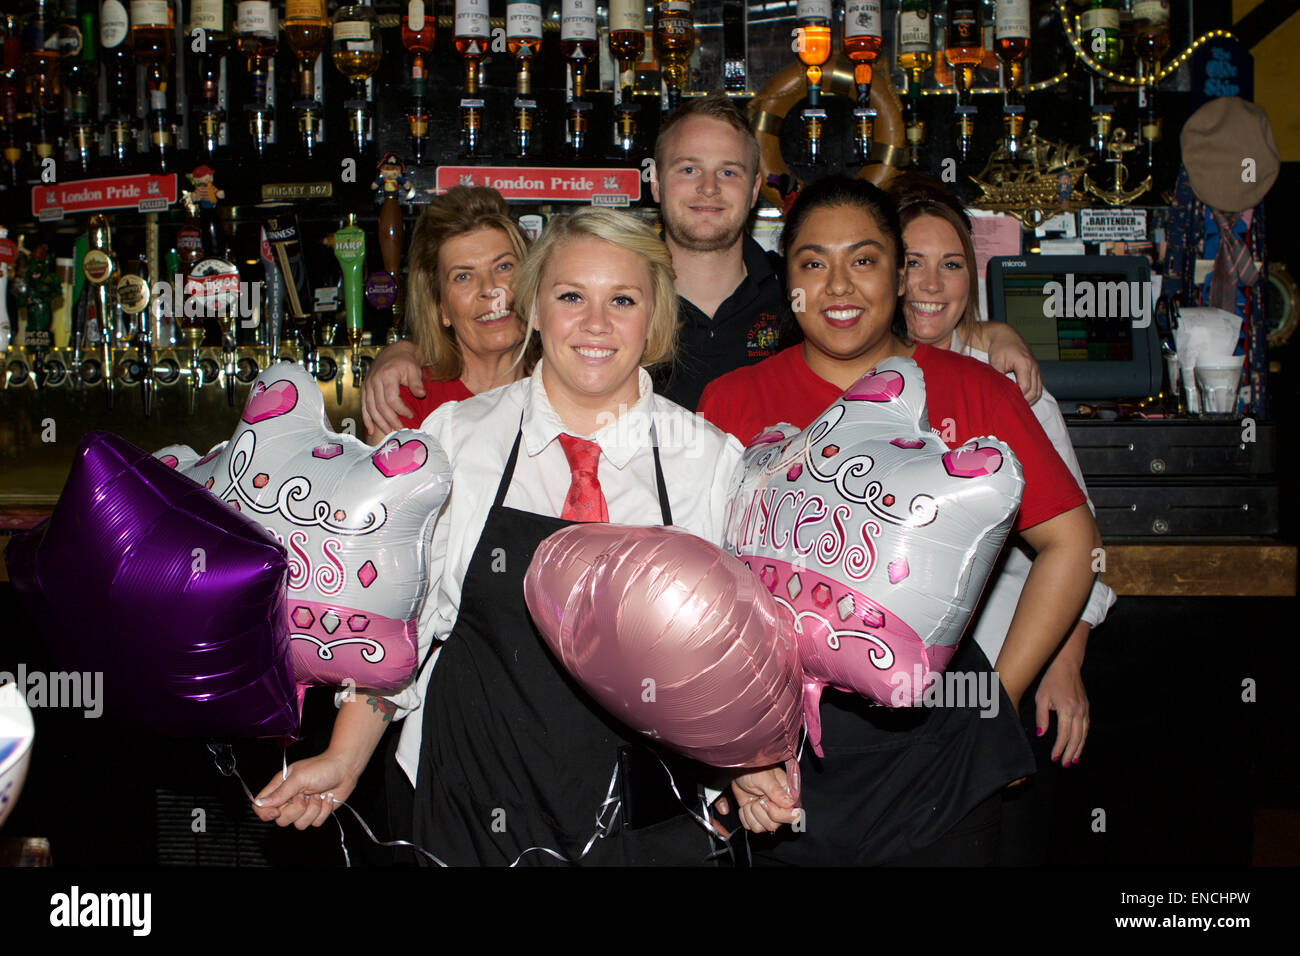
619,440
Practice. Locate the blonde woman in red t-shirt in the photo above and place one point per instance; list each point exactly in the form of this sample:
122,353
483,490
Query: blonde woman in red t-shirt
914,786
464,330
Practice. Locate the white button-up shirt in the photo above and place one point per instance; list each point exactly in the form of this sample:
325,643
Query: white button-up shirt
1002,593
477,434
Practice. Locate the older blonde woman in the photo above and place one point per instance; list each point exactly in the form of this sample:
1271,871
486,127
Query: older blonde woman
464,330
505,752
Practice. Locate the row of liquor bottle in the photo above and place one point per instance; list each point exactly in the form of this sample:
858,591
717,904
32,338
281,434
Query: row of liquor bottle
69,67
995,35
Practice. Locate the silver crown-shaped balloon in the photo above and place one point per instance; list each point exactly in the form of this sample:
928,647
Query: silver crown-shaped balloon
874,537
355,523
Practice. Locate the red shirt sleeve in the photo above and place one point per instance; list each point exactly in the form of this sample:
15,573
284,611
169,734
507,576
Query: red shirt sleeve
981,401
435,393
713,407
1050,489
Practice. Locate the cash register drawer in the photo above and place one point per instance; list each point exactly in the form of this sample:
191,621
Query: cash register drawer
1174,449
1185,509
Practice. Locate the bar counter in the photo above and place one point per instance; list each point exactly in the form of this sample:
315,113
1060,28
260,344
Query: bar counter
1247,567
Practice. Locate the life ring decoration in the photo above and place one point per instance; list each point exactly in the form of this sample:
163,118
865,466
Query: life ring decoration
768,110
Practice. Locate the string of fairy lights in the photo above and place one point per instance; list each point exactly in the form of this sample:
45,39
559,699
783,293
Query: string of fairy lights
1074,35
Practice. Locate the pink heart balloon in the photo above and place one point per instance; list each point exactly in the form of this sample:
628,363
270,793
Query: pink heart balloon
394,458
673,637
972,462
270,401
876,386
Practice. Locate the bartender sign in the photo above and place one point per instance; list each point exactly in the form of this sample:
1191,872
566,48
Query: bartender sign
1109,225
600,187
143,193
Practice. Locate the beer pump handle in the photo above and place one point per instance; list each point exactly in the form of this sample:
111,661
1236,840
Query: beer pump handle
391,235
99,267
350,250
80,300
274,297
8,253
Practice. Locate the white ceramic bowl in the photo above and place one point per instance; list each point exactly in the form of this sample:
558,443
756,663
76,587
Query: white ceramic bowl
16,734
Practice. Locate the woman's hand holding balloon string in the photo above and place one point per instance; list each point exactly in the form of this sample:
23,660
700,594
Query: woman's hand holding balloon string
381,396
307,793
764,799
1062,690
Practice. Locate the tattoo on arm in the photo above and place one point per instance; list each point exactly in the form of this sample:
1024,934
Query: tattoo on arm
383,706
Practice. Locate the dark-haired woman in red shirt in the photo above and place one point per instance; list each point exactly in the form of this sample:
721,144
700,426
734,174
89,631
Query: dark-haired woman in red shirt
915,786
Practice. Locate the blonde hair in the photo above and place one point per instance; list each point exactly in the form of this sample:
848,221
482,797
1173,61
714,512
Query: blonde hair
460,210
619,229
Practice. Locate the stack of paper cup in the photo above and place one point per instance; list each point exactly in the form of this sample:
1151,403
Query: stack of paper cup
1207,337
1218,384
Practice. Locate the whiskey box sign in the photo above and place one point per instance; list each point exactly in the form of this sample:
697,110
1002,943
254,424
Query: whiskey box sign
143,193
283,192
1107,225
600,187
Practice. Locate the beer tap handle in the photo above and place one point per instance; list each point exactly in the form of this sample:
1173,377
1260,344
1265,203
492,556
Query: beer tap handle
286,247
8,253
230,377
147,382
133,295
274,309
80,315
350,250
99,268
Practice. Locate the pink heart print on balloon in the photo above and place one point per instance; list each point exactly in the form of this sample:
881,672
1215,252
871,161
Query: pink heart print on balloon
672,636
874,538
354,521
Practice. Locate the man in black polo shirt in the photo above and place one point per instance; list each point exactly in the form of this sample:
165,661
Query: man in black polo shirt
730,292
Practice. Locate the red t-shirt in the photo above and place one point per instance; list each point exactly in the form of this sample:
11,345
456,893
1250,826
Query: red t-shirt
435,393
979,400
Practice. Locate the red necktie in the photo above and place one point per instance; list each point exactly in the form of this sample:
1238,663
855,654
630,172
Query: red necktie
585,501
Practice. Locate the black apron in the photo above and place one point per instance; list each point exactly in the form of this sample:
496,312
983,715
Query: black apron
514,753
896,780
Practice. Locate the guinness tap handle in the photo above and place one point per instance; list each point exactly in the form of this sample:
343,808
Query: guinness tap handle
286,245
274,299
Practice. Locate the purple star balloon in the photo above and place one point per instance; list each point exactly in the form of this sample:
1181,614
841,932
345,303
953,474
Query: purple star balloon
179,601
